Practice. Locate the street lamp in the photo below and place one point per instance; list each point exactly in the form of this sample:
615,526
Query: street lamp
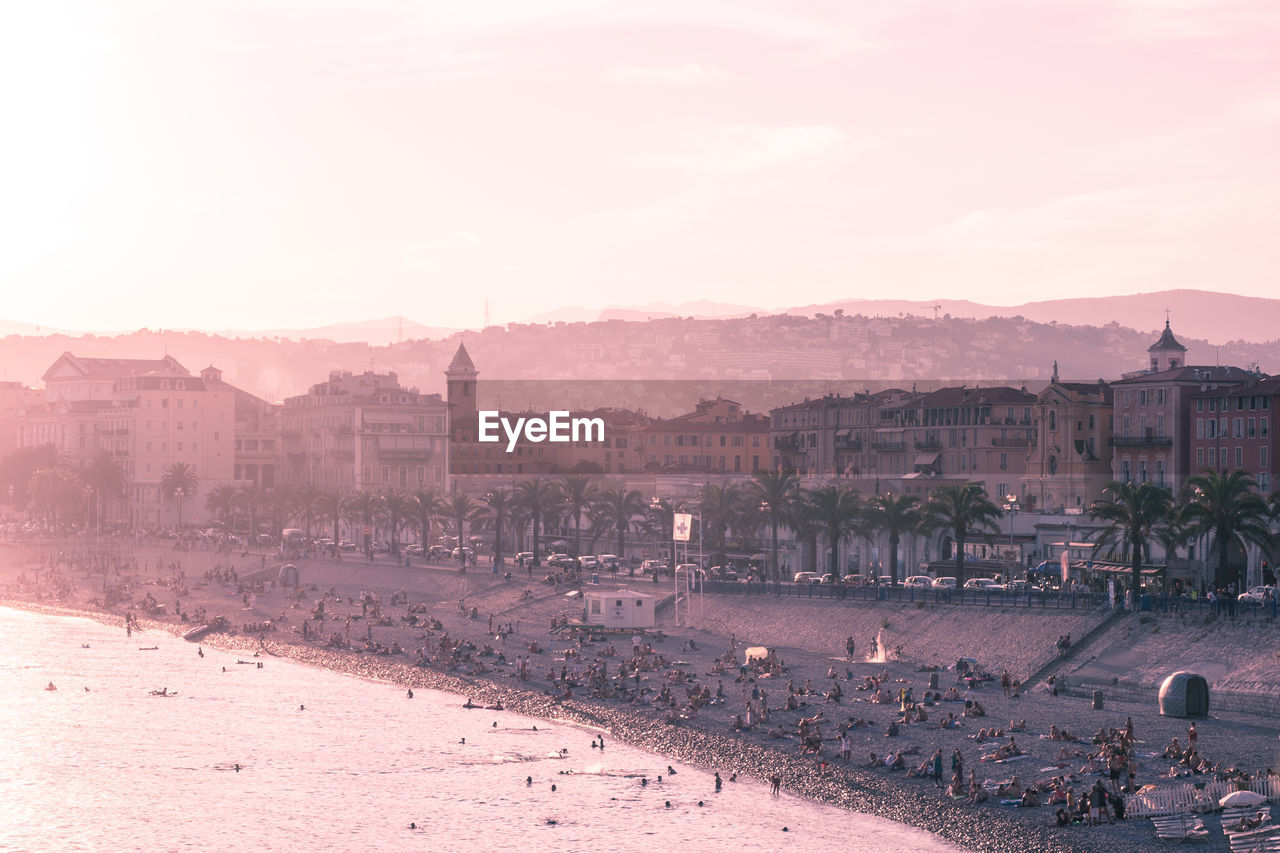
1011,509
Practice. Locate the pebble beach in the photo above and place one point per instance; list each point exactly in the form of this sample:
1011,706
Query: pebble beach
808,638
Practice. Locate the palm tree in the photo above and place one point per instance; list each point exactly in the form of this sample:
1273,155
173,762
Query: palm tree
399,508
893,515
775,492
427,503
616,510
306,503
577,493
720,509
834,511
1229,507
330,504
538,498
222,499
495,508
105,477
178,482
253,499
963,510
363,508
460,508
1132,514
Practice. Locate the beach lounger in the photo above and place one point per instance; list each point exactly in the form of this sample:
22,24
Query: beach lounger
1264,840
1182,827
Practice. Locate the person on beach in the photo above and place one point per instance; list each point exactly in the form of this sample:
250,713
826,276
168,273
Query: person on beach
937,768
775,782
719,782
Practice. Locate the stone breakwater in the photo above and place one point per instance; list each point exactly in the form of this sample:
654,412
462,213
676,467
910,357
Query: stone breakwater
892,797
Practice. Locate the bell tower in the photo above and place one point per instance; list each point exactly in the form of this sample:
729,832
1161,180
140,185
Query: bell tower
461,384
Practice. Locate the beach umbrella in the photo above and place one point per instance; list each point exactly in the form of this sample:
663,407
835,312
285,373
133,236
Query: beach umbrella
1236,799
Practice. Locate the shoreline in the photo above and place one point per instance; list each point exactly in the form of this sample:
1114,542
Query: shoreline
848,787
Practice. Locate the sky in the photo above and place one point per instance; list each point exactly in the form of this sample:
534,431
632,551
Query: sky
253,164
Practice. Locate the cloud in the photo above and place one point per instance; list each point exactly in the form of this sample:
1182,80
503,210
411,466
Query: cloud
692,74
747,148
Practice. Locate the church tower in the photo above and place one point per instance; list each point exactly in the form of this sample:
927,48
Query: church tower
1167,353
461,383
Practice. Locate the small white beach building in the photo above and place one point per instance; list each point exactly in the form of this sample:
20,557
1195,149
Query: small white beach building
619,608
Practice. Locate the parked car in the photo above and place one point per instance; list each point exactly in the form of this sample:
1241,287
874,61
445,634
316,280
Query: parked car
1016,586
413,550
561,561
610,561
458,552
856,580
589,562
918,581
944,583
983,583
828,578
805,577
346,545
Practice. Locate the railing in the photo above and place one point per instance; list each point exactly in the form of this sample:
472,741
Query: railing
1080,631
1141,441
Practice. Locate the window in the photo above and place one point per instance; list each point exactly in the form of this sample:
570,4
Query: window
1200,405
1264,482
1213,457
1125,474
1160,473
1142,397
1053,421
1237,424
1199,458
1253,427
1262,457
1199,427
1004,461
1239,457
1159,396
1142,470
1263,429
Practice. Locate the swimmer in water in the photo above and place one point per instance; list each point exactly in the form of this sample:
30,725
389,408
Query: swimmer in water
528,780
410,693
51,686
237,768
671,771
199,651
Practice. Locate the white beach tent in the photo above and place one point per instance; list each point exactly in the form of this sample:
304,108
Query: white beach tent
1184,694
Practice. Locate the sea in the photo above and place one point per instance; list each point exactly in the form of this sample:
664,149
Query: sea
329,762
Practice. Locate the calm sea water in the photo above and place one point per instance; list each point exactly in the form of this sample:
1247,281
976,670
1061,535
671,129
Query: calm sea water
115,768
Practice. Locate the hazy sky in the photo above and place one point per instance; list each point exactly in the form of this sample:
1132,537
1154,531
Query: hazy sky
268,163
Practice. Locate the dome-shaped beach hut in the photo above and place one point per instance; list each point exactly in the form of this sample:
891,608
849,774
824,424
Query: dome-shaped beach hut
1184,694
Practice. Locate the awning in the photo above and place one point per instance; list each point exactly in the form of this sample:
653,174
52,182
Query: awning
924,460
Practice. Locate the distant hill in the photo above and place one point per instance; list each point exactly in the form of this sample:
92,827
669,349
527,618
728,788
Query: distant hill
1217,318
383,332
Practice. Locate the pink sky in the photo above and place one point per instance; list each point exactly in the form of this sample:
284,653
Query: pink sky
262,163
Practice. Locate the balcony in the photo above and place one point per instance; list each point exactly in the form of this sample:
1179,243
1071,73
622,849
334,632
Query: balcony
929,444
854,444
1148,440
885,446
787,442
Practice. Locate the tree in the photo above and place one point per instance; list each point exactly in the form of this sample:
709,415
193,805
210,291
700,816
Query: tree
721,508
538,498
253,499
577,493
460,508
1132,513
893,515
17,467
57,493
106,478
363,508
306,504
223,500
616,510
495,508
835,511
963,510
427,503
1229,507
178,482
775,492
330,506
399,508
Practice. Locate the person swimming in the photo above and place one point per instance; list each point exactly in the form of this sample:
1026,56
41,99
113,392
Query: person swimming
671,771
51,686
